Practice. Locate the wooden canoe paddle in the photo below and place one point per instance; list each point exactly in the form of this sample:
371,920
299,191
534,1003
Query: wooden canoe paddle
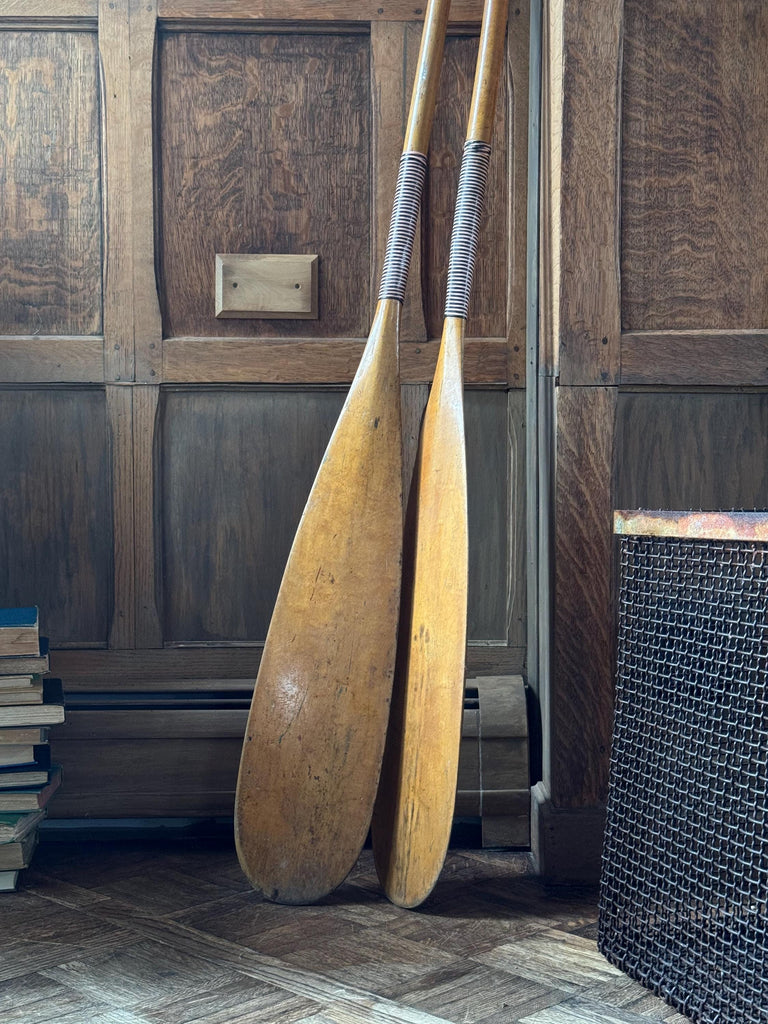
414,808
316,730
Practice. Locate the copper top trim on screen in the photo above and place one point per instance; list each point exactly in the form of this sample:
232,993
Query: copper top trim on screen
694,525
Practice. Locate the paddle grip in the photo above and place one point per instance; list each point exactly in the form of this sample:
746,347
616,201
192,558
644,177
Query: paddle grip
466,226
402,228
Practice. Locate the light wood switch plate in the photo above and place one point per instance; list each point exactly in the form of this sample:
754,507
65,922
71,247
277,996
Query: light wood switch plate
266,286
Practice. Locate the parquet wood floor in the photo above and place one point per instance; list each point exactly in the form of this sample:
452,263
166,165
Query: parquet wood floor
169,932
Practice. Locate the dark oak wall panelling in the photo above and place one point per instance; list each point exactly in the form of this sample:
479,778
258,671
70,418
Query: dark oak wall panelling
264,148
579,361
50,199
488,308
156,459
55,514
682,450
236,469
653,164
50,207
694,225
230,507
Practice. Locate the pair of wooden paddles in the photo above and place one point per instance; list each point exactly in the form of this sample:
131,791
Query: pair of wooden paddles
343,706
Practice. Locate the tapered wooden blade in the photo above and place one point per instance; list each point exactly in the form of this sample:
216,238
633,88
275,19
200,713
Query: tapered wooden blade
315,736
414,808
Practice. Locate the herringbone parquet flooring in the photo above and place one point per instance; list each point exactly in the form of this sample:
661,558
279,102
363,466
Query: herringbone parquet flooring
171,933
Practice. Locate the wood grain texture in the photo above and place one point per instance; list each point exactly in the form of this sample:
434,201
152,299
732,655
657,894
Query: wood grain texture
171,767
161,930
221,570
131,310
488,307
155,724
50,215
115,63
57,510
311,10
516,85
308,361
120,416
492,518
394,50
275,286
195,669
200,669
316,729
414,807
692,451
42,9
147,559
588,324
516,561
222,452
52,359
694,226
413,401
581,702
415,803
147,322
152,751
550,178
721,358
233,180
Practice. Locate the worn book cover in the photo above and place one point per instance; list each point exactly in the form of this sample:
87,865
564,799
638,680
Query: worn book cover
31,798
19,631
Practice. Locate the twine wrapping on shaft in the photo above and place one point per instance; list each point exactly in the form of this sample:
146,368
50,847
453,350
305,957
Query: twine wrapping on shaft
402,228
466,227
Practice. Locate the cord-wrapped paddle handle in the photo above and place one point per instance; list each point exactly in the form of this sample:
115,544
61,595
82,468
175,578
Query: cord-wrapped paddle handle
413,162
475,160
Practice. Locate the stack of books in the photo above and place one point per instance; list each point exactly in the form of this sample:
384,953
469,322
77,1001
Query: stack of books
29,704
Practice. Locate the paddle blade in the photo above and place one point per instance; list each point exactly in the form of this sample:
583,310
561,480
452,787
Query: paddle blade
315,736
414,807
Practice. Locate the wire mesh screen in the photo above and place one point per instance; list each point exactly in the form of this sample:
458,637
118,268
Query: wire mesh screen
684,887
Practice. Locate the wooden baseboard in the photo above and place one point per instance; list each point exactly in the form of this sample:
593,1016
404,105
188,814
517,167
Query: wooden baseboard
176,756
566,843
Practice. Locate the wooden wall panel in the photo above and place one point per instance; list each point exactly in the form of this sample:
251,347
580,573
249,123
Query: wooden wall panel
235,470
325,10
264,148
488,306
584,97
50,200
581,697
694,225
692,451
138,777
488,512
56,512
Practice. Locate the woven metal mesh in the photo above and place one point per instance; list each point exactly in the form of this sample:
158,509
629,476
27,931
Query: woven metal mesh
684,888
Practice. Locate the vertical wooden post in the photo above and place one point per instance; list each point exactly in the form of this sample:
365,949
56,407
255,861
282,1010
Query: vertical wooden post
114,54
132,327
148,596
120,418
580,355
147,322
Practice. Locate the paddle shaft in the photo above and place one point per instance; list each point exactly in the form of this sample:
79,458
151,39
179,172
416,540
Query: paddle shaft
475,160
315,734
